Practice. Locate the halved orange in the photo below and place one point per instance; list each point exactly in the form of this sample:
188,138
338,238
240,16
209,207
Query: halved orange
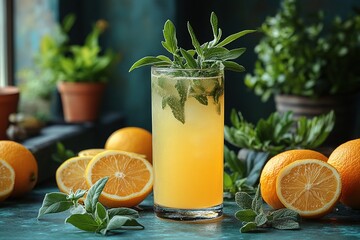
7,179
70,176
310,187
90,152
130,177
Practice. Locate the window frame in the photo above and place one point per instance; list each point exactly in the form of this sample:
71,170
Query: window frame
6,45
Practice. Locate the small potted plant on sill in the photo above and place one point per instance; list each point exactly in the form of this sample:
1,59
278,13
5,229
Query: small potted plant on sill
83,70
310,68
80,71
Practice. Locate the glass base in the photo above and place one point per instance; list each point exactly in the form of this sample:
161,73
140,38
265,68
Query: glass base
188,215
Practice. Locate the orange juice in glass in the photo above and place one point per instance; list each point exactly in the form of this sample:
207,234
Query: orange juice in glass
188,141
188,123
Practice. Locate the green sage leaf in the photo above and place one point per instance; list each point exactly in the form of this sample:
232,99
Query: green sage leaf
286,224
176,106
243,200
194,40
246,215
285,213
233,66
261,219
101,214
148,61
214,27
248,227
116,223
126,212
94,194
169,33
257,202
84,222
189,59
54,203
233,37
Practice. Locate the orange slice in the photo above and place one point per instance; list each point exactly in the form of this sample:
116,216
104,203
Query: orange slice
70,176
130,177
310,187
90,152
7,179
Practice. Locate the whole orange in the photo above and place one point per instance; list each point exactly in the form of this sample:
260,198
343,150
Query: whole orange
346,159
131,139
275,165
24,164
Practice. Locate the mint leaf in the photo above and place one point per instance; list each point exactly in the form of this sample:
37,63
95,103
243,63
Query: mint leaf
248,227
84,222
246,215
54,203
94,194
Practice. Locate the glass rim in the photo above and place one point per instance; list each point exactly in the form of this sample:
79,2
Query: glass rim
167,67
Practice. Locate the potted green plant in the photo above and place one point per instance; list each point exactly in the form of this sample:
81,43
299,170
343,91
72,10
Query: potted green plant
79,71
309,68
82,72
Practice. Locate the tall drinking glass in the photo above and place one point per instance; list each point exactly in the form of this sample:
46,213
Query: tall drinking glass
188,141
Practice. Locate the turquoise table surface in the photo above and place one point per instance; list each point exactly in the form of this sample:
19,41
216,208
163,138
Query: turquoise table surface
18,221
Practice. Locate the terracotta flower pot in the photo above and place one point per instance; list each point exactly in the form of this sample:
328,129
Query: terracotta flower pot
344,108
9,99
81,101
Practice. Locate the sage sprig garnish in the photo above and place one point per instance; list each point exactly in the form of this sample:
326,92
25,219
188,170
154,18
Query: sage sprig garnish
92,216
254,217
206,55
212,55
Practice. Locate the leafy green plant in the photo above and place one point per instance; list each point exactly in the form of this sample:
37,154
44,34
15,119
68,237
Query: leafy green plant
86,63
58,60
254,217
257,143
62,154
325,64
242,171
92,216
279,132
